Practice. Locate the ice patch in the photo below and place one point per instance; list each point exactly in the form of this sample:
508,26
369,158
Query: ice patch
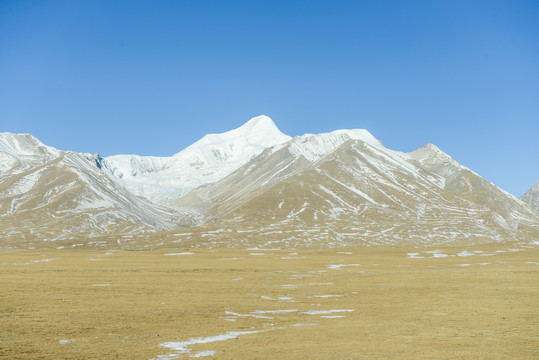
440,255
247,315
182,253
204,353
332,316
33,261
181,347
433,253
274,311
64,341
338,266
324,312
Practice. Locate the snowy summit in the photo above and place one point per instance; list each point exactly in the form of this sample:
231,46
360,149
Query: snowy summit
165,179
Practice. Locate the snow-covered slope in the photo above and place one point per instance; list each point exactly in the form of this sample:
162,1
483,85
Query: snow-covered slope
314,146
19,152
163,180
255,186
334,191
531,197
47,194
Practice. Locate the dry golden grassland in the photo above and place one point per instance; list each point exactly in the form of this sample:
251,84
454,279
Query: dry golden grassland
89,304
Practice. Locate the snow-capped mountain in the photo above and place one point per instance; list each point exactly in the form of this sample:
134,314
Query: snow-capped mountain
351,191
48,194
256,186
19,152
164,180
531,196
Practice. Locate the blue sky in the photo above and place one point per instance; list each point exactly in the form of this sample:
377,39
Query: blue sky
152,77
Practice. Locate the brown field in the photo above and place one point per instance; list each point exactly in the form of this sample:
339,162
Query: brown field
89,304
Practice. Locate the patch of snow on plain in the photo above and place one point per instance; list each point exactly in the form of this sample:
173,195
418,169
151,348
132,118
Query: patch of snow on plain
247,315
34,261
274,311
440,255
204,353
182,253
324,312
181,347
338,266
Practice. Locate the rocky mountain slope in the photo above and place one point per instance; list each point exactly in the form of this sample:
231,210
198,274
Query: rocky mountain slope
47,194
255,186
350,190
531,196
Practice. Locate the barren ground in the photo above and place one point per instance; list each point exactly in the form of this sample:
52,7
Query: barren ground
386,304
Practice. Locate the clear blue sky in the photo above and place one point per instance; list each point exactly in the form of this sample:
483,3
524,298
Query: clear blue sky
152,77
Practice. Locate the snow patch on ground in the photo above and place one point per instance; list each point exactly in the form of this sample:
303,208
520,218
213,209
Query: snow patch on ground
182,347
275,311
338,266
32,262
324,312
234,314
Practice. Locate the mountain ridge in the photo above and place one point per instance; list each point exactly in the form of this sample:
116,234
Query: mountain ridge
254,185
531,197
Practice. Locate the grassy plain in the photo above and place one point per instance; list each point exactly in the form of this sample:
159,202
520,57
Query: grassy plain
89,304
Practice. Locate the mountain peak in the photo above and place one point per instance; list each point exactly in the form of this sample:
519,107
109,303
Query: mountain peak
260,131
23,144
531,197
259,127
261,121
